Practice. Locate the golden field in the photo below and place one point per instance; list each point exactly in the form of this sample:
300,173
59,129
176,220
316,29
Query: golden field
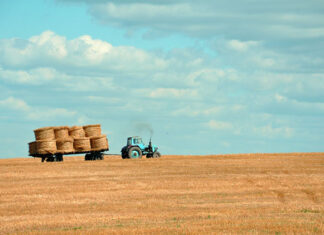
237,194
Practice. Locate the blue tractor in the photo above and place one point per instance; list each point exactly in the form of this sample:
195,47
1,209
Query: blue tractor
135,148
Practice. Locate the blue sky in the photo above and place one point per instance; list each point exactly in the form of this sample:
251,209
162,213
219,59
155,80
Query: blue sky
208,77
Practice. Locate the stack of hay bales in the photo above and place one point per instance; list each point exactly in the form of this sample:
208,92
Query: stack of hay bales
97,140
64,139
64,143
45,141
81,142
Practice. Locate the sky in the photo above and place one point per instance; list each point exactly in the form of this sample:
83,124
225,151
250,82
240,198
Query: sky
208,77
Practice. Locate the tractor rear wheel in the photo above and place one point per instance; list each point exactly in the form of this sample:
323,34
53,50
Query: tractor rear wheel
134,152
156,155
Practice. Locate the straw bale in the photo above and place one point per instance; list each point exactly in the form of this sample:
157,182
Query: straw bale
92,130
32,148
45,133
99,143
64,145
82,144
76,132
61,132
46,146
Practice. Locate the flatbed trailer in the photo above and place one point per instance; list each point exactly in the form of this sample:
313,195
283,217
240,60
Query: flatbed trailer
58,157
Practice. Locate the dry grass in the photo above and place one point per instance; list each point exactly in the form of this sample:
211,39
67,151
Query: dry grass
247,194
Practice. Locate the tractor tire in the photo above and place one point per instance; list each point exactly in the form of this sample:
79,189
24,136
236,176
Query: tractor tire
156,155
124,155
134,152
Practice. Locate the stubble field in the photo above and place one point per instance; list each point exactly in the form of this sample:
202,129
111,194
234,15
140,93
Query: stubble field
244,194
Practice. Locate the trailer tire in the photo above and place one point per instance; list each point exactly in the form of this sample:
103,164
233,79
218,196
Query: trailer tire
134,152
87,157
101,156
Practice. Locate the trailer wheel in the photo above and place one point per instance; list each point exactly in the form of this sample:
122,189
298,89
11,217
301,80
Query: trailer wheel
87,157
156,155
101,156
98,156
134,152
59,157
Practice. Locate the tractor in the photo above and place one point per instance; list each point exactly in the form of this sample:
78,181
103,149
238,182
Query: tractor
135,148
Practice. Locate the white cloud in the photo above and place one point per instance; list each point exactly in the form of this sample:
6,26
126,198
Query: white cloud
271,132
193,111
49,49
104,100
241,46
275,20
169,93
15,104
35,113
52,44
49,113
33,76
219,125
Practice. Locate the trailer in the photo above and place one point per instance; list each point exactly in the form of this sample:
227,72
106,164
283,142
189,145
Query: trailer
51,143
58,157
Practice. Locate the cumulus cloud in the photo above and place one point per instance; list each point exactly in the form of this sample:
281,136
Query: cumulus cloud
50,49
169,92
220,125
271,132
240,45
34,113
16,104
245,21
34,76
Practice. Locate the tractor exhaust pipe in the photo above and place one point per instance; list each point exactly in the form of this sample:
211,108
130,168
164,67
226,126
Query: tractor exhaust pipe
150,145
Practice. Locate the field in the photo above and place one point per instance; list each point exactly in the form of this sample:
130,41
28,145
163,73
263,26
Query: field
244,194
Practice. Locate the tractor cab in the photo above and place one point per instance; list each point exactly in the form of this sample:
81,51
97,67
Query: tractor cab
135,140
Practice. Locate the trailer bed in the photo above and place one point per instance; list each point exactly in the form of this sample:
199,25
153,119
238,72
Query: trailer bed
58,156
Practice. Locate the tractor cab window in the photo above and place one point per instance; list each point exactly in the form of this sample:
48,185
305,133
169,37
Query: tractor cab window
137,141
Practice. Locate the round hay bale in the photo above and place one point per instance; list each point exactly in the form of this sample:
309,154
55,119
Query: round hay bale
45,133
82,144
64,145
76,132
32,148
46,146
99,143
61,132
92,130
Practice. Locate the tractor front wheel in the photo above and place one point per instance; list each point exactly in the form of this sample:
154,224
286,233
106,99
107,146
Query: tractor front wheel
134,152
156,155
